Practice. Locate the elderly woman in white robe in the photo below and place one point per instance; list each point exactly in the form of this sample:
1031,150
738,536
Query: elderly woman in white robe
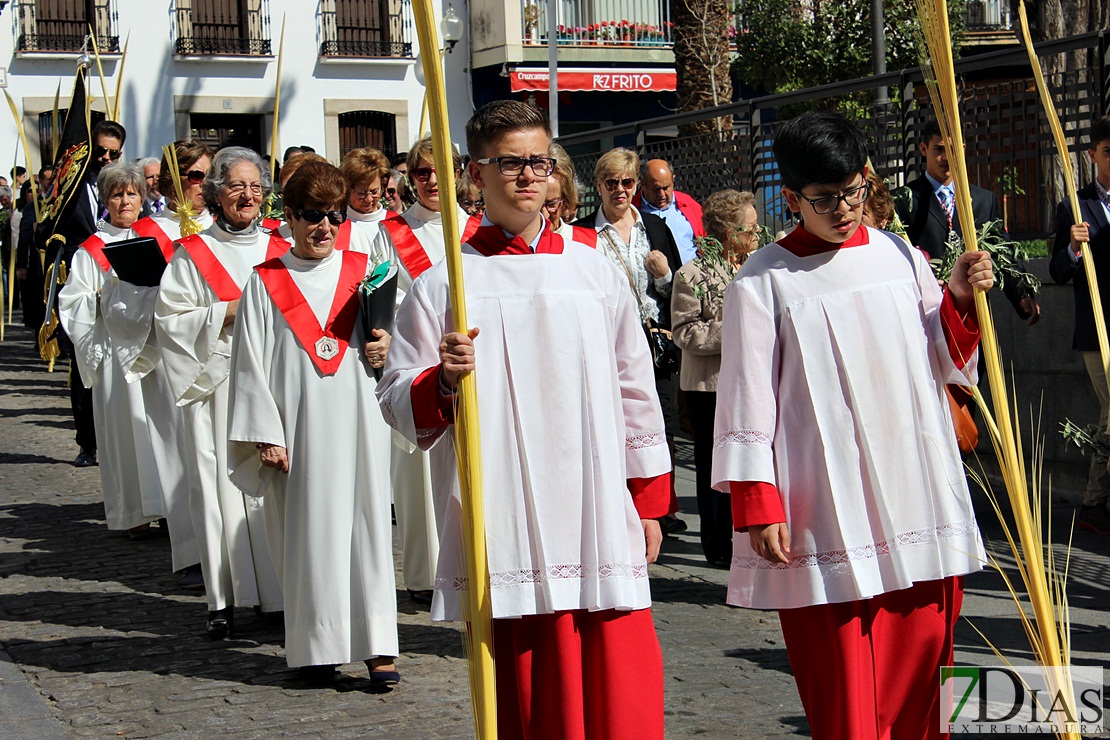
305,432
128,466
196,310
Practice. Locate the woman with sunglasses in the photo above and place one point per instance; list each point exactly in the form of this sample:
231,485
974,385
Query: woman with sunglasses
417,238
643,248
197,304
194,159
128,465
305,427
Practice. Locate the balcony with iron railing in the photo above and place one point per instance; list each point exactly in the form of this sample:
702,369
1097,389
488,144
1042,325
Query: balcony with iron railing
988,15
365,29
614,23
61,26
222,28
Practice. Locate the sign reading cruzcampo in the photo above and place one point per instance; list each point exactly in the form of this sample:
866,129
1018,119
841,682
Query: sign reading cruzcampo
596,80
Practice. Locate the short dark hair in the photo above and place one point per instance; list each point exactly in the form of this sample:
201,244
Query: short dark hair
818,149
18,171
316,184
399,158
46,168
929,130
1100,131
109,128
495,119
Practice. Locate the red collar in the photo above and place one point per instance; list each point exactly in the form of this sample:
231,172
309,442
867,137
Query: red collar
801,243
491,240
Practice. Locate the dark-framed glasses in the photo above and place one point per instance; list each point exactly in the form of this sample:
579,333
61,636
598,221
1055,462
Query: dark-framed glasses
827,204
315,216
100,151
514,166
626,183
195,176
423,174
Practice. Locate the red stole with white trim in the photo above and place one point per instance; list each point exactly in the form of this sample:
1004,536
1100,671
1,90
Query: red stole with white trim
213,271
491,241
325,345
94,245
271,224
408,246
147,227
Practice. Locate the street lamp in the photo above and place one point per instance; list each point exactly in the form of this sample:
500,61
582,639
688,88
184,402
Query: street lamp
452,27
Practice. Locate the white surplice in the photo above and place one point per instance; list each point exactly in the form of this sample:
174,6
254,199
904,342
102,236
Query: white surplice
832,389
196,354
331,510
410,469
128,314
568,413
365,226
128,469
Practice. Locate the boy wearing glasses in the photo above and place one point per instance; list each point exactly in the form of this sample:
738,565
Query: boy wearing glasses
575,459
834,438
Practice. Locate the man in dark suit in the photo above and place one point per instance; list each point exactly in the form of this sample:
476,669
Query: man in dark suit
1067,255
927,208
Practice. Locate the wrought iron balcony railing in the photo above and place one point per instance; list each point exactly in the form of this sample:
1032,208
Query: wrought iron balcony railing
639,23
61,25
988,15
222,27
365,28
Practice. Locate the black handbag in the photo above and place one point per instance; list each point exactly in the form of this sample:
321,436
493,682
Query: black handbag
665,354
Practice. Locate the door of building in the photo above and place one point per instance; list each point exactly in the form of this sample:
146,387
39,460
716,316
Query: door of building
218,130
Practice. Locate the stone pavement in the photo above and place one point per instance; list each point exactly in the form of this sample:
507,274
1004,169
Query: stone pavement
97,640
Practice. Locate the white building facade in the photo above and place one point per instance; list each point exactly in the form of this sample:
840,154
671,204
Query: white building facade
207,69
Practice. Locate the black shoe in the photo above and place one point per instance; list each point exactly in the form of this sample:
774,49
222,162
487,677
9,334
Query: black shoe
271,618
85,459
191,577
671,524
421,597
221,623
317,674
1094,518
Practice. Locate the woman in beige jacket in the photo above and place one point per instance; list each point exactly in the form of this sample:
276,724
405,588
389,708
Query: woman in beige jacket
696,301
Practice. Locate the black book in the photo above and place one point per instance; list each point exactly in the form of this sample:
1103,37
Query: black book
377,302
137,261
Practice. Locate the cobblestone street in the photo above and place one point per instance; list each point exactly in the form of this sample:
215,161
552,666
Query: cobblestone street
98,640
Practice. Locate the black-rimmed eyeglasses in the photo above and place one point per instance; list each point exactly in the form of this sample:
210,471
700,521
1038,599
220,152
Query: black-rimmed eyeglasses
827,204
514,166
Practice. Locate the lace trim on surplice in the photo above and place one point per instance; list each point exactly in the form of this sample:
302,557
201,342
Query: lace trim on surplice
742,437
562,572
900,541
644,441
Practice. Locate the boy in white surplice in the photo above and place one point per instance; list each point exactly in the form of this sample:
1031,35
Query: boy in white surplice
834,438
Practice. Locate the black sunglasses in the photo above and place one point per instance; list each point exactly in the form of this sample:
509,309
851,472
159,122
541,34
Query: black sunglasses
195,176
612,183
113,154
313,216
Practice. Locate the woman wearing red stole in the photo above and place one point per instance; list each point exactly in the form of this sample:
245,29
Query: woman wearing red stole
303,428
197,304
194,159
105,356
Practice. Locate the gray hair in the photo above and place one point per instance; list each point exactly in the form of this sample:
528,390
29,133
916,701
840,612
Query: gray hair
116,176
144,162
5,190
222,163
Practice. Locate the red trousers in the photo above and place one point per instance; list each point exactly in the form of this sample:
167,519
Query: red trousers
869,669
579,674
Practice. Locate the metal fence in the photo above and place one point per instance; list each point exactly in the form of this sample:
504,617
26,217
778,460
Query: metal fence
222,27
365,28
61,25
1008,140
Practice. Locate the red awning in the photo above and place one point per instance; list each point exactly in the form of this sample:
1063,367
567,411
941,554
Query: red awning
596,80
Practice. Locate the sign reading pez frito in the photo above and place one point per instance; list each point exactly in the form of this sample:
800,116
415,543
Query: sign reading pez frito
596,80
